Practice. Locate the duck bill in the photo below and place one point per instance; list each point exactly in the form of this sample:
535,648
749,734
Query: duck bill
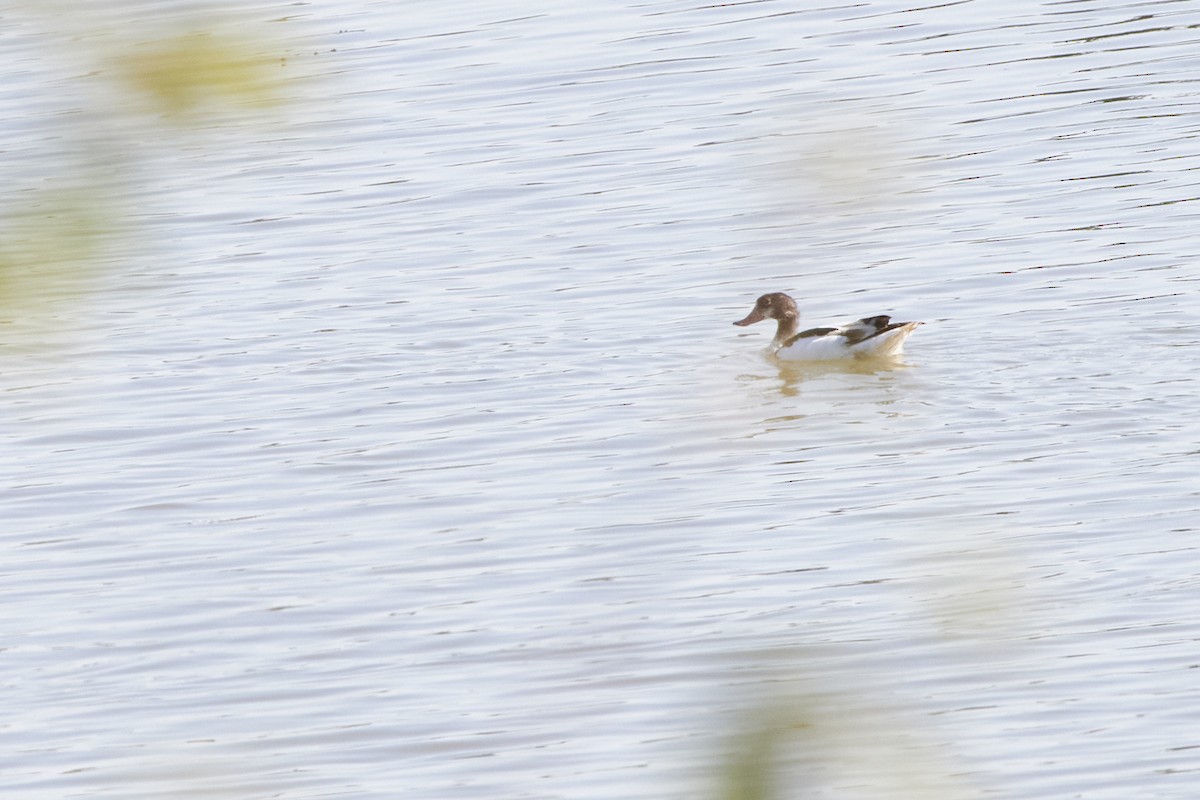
751,318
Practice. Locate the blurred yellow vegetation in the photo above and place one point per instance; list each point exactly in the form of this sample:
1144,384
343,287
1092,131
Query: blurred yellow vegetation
46,249
826,724
54,231
183,72
835,742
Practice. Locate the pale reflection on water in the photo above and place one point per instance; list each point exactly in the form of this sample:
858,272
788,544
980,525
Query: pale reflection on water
795,374
406,446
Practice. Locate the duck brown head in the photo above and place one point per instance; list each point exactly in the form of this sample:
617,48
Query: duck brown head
777,306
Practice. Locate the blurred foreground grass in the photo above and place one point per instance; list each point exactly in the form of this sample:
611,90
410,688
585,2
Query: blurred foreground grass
826,721
138,84
184,72
48,244
834,741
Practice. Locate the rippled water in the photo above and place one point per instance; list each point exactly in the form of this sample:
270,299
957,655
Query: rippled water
404,445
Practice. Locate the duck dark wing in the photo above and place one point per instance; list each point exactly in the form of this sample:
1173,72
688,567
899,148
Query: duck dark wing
808,334
878,322
867,327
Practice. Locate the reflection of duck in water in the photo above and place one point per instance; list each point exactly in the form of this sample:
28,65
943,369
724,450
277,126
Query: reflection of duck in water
871,337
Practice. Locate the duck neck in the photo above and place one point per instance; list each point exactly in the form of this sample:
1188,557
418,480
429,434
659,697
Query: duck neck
786,329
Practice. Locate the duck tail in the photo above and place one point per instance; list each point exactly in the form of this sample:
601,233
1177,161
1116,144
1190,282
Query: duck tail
889,342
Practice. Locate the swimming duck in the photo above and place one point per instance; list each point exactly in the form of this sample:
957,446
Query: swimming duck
870,337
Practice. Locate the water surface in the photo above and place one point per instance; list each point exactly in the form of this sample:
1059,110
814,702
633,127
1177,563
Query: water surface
405,445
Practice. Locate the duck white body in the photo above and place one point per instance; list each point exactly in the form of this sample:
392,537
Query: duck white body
870,337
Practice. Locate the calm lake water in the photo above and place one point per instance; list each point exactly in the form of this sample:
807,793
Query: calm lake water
401,445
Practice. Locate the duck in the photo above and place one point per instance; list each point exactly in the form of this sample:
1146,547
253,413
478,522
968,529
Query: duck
869,337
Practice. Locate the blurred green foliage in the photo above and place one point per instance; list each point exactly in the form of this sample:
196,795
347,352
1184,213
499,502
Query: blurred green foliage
58,228
193,69
47,244
839,736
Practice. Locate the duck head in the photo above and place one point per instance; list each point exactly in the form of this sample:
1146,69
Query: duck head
777,306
